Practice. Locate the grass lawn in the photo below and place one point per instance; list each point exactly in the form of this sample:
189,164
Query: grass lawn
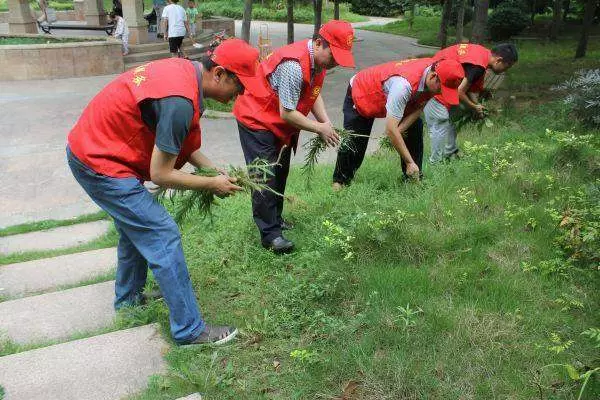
445,289
214,105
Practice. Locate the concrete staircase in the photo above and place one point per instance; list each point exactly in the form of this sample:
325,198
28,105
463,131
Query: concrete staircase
143,53
77,351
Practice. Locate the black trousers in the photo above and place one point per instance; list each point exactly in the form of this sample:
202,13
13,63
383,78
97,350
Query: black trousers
350,159
266,206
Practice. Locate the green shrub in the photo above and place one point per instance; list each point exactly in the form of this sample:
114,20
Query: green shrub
583,96
429,11
381,8
505,22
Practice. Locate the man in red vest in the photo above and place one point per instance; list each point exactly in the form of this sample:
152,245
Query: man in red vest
269,126
475,60
144,125
396,91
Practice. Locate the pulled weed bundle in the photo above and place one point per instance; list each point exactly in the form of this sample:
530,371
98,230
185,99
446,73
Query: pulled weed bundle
316,146
465,116
249,178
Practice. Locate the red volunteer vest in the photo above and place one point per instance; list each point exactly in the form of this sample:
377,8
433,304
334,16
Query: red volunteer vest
466,53
367,86
262,113
111,138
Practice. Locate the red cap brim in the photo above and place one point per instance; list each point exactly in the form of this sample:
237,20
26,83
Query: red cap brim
450,95
255,85
342,57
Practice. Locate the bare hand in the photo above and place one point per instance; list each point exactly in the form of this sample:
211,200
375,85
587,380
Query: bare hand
412,170
223,185
221,171
326,131
479,109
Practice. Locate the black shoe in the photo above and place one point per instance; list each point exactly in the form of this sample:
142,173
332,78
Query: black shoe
286,225
279,245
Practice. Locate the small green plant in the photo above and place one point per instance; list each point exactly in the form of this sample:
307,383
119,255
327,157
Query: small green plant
407,316
583,96
304,356
337,237
577,376
1,392
594,334
567,302
557,344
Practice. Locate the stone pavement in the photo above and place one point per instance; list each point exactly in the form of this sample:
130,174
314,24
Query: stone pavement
37,115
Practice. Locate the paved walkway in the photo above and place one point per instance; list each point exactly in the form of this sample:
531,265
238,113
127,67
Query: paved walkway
37,115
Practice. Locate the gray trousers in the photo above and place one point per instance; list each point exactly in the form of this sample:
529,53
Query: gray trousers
441,131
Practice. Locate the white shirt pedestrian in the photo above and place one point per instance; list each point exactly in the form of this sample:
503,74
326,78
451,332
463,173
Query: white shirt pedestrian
122,32
176,18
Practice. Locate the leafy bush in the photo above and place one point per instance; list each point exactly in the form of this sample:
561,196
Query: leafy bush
505,22
583,96
429,11
381,8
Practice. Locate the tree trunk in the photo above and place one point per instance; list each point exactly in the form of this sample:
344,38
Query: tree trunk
443,33
413,13
556,20
566,10
533,11
480,21
460,18
290,21
246,20
336,9
588,17
318,7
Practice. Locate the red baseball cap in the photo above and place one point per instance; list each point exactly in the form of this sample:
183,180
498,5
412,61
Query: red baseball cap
340,36
239,57
451,74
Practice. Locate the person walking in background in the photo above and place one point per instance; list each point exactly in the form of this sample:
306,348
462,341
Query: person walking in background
175,27
159,6
192,16
121,31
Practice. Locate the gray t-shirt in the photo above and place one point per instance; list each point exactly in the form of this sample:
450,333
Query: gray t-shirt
170,118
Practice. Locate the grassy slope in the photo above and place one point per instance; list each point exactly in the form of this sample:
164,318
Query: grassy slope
452,246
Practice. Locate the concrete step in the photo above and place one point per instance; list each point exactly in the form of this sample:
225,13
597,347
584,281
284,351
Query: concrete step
104,367
193,396
53,239
158,54
51,273
162,45
194,56
58,315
